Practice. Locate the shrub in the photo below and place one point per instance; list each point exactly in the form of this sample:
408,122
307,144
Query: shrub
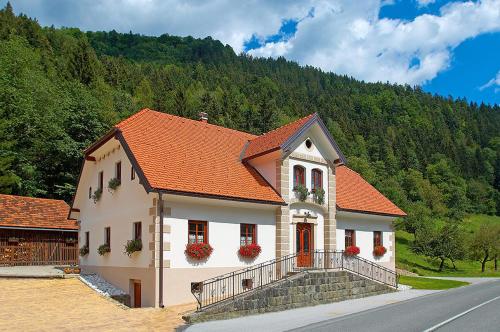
198,251
351,251
97,195
84,250
133,246
319,195
114,183
379,251
250,250
302,192
103,249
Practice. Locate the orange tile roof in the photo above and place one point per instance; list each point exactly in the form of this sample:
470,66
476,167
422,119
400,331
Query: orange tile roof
275,138
187,156
29,212
357,195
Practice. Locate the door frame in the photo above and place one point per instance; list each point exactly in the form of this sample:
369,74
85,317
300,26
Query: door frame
301,261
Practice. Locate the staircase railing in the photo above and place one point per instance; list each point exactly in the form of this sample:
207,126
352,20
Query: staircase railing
230,285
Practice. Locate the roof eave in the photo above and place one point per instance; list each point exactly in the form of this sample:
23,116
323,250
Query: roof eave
372,212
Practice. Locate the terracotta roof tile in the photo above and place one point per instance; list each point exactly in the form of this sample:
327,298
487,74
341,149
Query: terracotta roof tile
355,194
20,211
184,155
275,138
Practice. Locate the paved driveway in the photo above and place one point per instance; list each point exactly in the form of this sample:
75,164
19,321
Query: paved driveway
68,304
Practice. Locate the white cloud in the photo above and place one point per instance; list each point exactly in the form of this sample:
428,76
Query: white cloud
494,82
343,36
425,3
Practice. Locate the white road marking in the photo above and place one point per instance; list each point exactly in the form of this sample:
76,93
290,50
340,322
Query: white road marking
435,327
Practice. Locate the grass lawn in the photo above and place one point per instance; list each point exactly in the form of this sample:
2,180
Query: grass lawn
406,259
428,283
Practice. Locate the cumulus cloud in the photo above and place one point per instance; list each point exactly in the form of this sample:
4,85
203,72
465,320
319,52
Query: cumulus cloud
343,36
494,82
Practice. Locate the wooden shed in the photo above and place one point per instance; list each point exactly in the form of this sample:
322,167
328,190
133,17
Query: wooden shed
36,231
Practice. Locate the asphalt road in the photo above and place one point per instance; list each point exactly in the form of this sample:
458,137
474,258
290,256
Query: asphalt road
443,311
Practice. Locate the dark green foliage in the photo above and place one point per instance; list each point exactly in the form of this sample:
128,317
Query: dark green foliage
60,89
132,246
114,183
302,192
103,249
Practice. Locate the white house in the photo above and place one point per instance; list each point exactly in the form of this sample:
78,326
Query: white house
178,181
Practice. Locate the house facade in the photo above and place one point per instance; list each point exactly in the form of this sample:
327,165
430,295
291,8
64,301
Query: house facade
167,182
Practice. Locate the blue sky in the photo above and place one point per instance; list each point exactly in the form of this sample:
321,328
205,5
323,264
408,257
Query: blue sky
447,47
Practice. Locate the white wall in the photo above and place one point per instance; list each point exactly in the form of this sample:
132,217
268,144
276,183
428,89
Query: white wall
266,166
313,151
119,210
365,225
224,219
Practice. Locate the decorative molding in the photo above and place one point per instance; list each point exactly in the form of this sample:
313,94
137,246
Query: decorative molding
306,157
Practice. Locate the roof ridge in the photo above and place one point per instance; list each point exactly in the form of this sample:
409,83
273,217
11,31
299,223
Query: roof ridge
125,121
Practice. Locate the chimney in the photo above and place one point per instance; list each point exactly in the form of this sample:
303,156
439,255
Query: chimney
203,117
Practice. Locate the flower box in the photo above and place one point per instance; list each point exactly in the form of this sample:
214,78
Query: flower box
103,249
379,251
351,251
198,251
84,250
133,246
250,251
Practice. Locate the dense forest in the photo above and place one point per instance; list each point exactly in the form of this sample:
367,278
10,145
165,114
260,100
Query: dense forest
61,88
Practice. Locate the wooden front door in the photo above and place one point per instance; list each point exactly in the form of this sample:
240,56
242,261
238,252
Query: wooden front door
304,244
137,294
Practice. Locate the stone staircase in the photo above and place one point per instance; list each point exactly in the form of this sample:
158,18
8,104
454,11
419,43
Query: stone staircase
300,289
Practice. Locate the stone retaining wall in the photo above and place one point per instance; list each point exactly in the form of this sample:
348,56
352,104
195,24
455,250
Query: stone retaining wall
301,290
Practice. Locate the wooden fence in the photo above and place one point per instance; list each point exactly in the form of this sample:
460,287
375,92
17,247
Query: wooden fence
26,247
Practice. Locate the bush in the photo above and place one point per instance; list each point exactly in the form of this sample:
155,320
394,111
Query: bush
302,192
97,195
84,250
319,195
379,251
103,249
114,183
133,246
250,251
352,251
198,251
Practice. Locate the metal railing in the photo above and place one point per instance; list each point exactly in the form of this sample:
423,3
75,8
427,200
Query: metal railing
233,284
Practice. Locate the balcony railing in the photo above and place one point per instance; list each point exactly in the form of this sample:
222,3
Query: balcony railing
230,285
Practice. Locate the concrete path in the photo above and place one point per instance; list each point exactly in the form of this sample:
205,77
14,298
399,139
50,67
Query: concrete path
290,319
46,271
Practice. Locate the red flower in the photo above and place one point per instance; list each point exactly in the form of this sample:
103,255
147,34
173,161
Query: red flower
250,250
351,251
198,251
379,251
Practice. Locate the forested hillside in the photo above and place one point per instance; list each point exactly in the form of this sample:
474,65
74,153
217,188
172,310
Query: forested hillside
60,89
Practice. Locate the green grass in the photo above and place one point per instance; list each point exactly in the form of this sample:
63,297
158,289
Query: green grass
429,283
407,260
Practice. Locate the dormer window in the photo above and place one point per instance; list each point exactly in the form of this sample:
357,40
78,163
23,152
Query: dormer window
299,173
316,179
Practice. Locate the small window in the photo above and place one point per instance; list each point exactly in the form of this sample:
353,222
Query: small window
90,192
118,170
317,179
107,236
377,239
87,239
100,181
137,230
132,173
298,176
198,231
350,238
248,234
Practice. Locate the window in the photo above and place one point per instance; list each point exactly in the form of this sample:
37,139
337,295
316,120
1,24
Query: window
100,181
298,176
350,238
317,179
118,170
87,239
90,192
137,230
248,234
377,238
132,173
198,231
107,236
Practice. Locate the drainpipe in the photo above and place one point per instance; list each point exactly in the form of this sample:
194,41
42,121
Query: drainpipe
160,285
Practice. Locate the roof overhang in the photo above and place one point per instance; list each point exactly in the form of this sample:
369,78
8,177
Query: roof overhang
40,229
371,213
